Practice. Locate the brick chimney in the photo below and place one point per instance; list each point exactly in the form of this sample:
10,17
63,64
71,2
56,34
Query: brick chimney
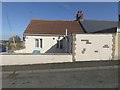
79,16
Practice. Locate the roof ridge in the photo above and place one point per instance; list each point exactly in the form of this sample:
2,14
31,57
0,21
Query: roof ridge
35,19
100,20
50,20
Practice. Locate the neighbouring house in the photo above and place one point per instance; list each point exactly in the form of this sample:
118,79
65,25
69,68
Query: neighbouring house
84,39
100,26
99,43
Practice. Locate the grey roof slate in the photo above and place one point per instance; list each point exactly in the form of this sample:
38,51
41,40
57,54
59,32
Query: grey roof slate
98,25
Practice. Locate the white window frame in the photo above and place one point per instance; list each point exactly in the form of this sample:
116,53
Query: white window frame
37,43
40,43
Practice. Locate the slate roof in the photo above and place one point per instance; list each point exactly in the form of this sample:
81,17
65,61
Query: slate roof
53,27
99,26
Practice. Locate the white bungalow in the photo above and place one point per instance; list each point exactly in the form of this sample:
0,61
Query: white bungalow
85,39
50,36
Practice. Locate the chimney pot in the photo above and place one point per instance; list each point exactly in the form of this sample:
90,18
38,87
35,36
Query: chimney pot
79,15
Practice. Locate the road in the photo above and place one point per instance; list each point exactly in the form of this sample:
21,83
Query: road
91,77
60,65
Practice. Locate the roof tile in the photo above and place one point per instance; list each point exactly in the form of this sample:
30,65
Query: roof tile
53,27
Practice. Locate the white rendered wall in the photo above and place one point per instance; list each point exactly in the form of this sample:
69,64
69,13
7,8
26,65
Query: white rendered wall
48,43
34,59
117,46
93,50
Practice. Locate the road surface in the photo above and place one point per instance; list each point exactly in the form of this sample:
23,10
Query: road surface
87,77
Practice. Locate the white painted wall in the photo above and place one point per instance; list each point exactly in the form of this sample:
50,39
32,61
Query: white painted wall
48,43
117,46
20,51
33,59
97,43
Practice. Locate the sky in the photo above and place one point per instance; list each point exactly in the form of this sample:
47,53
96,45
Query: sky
60,0
0,21
17,15
118,7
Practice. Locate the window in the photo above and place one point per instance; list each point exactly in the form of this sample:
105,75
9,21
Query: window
39,43
57,44
60,44
36,42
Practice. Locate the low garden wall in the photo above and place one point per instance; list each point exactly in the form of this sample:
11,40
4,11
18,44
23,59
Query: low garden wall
20,59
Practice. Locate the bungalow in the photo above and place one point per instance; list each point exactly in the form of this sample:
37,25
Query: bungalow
85,39
49,36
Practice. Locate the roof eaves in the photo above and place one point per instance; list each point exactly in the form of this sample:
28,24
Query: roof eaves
42,34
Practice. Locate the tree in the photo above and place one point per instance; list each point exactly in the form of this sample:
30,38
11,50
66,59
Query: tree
15,43
16,38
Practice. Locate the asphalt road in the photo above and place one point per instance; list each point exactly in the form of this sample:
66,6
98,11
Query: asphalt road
81,64
105,77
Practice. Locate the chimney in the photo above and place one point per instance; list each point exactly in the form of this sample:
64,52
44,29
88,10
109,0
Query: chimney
79,16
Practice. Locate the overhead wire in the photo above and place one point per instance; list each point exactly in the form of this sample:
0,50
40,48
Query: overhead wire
10,27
